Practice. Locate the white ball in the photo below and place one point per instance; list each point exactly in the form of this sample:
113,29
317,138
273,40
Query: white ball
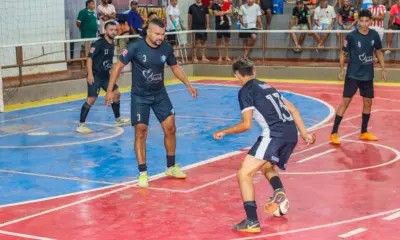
282,209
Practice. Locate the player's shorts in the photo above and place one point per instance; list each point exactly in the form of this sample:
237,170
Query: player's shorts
94,89
274,150
351,86
247,34
140,108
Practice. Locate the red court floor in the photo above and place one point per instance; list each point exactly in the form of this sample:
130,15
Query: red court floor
349,191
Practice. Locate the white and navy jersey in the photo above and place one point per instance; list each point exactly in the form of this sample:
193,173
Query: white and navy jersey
268,110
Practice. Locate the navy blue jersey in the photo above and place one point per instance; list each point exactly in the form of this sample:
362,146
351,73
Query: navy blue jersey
148,66
268,110
102,54
361,59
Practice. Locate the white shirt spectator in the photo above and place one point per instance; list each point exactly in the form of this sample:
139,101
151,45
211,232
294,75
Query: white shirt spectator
324,15
110,9
172,11
250,14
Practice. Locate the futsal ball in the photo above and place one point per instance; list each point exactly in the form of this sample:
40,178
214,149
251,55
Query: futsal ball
282,209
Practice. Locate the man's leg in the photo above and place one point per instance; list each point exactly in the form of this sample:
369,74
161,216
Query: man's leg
249,167
92,93
203,47
253,39
367,92
219,40
116,105
227,44
268,14
279,193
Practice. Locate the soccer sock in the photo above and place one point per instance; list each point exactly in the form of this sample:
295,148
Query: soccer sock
170,161
338,119
251,210
364,125
115,107
142,168
276,182
84,112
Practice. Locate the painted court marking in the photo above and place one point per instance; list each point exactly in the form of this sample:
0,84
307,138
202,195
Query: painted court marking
24,235
315,156
392,217
22,132
352,232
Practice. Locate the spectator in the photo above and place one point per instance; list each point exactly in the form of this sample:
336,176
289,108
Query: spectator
135,20
378,15
250,17
394,24
174,24
150,17
106,12
324,19
226,5
348,16
301,20
217,10
198,19
87,24
122,30
267,7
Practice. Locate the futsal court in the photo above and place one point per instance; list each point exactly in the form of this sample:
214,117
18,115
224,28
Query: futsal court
58,184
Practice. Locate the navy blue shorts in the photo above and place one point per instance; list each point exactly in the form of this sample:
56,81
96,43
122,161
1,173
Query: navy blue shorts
274,150
351,86
140,108
94,89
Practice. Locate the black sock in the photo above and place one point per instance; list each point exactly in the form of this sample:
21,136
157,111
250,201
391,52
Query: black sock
115,107
364,125
338,119
251,210
170,161
142,167
84,112
276,182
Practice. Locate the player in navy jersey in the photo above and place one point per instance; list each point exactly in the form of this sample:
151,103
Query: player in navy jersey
360,44
148,56
278,119
99,63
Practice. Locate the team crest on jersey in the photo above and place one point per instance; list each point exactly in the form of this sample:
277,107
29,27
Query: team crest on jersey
163,58
372,42
264,86
125,52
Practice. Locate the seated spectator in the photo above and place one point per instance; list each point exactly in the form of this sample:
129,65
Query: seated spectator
394,24
301,20
348,16
324,19
378,15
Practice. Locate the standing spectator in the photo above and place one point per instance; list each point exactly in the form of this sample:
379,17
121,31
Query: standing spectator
217,10
348,16
324,19
250,17
150,17
267,7
378,15
174,23
87,24
198,19
394,24
135,20
106,12
301,20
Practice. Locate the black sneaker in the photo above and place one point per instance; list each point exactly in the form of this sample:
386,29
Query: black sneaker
252,226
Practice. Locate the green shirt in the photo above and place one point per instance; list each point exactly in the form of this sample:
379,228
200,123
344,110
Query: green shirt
88,21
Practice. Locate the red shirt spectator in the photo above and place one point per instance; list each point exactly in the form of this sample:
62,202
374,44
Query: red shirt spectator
395,14
206,3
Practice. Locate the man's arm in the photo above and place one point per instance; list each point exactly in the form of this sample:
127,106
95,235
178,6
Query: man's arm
207,21
115,72
243,126
381,58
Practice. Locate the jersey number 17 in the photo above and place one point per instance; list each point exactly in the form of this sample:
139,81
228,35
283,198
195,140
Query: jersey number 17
281,109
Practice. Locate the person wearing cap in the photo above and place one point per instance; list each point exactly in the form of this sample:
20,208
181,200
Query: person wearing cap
301,20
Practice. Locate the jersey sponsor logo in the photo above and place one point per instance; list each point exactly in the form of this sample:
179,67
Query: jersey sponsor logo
163,58
365,59
372,42
107,65
151,77
125,52
275,159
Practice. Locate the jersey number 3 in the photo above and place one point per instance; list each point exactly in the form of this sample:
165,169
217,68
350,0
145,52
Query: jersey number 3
281,109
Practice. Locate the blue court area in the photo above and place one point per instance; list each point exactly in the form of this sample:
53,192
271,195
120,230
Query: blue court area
43,141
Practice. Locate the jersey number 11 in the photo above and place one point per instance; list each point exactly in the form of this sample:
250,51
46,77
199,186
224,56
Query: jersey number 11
281,108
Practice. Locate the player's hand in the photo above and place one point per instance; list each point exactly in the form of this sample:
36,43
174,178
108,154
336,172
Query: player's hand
309,138
90,80
341,75
192,91
218,135
384,77
109,98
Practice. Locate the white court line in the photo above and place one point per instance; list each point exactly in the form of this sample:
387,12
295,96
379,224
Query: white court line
40,114
392,217
16,133
379,98
24,235
352,233
210,183
315,156
322,226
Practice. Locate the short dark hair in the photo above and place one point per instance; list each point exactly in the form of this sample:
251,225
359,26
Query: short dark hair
244,66
88,1
157,22
365,13
151,14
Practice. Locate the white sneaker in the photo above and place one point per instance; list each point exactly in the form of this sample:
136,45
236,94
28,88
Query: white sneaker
82,128
122,121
